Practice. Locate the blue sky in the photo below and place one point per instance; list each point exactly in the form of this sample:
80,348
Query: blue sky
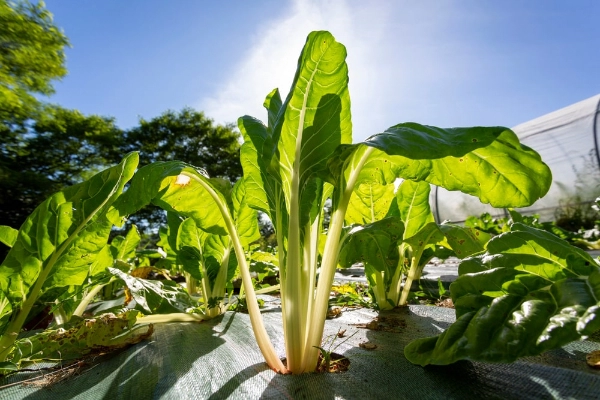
437,62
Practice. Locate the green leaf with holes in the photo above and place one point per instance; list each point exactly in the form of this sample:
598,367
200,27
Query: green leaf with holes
464,241
530,292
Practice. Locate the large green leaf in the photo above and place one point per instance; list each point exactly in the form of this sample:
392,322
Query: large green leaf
104,259
374,244
259,184
464,241
123,247
530,292
216,252
156,297
261,173
157,183
427,236
246,219
190,242
74,265
316,114
488,163
201,254
413,204
63,236
258,158
370,202
168,240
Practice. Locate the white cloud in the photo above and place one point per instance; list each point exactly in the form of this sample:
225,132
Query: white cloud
397,51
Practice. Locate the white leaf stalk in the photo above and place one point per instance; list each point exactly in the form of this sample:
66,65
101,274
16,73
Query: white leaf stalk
262,338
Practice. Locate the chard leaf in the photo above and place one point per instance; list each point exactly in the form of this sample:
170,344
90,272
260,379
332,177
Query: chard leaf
464,241
168,239
315,117
123,247
370,202
216,249
103,260
260,186
73,266
421,142
262,181
530,292
5,308
155,297
104,333
157,183
373,244
264,257
273,105
63,236
246,219
427,236
488,163
413,204
8,235
190,242
202,254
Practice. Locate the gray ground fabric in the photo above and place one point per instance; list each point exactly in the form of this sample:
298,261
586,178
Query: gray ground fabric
220,359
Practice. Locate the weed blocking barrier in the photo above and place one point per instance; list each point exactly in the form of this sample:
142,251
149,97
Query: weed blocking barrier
219,359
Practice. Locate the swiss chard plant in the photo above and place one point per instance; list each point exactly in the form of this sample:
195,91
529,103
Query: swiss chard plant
304,155
208,259
301,158
60,244
394,250
529,292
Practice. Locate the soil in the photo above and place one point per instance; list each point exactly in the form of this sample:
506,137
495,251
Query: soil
389,321
337,363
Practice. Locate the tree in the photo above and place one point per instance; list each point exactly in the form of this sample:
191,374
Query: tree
31,56
189,136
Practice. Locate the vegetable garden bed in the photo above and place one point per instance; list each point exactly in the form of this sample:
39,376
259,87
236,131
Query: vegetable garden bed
217,359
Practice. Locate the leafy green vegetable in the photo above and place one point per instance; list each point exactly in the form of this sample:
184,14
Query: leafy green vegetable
530,292
155,297
124,248
207,258
303,156
58,242
301,160
376,246
464,241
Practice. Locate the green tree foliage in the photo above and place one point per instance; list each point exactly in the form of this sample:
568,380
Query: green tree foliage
31,56
189,136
